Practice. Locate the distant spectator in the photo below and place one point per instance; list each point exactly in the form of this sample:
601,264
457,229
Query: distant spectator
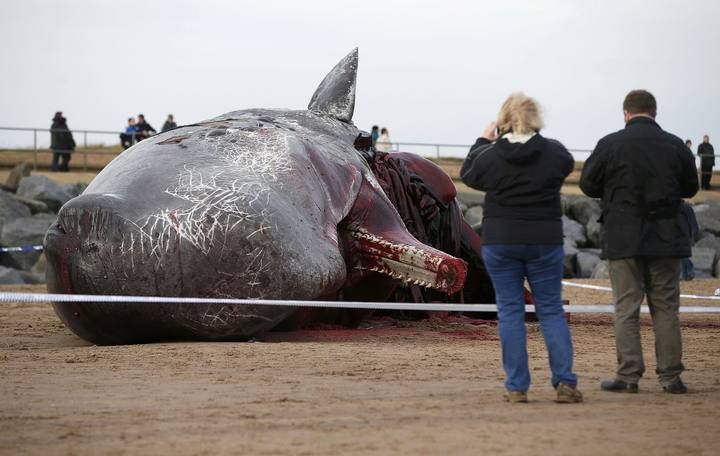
62,143
687,269
707,161
384,144
375,134
169,123
688,143
127,139
145,130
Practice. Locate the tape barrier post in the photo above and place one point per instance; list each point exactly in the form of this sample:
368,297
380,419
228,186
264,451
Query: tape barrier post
110,299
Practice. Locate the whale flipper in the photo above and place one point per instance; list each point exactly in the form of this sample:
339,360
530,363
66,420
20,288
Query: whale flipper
335,96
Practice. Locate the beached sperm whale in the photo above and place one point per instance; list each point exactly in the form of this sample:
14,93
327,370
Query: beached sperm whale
251,204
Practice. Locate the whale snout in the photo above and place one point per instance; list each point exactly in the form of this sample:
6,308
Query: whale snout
83,247
92,216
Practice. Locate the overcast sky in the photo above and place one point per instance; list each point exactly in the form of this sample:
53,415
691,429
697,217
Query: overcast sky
430,71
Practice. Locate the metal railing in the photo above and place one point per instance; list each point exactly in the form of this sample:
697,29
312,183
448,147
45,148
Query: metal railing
430,150
39,148
434,149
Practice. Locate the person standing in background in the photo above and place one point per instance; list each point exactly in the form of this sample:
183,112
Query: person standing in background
642,173
706,152
169,123
687,270
384,143
374,134
62,143
688,143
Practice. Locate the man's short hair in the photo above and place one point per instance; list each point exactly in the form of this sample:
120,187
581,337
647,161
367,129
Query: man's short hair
640,102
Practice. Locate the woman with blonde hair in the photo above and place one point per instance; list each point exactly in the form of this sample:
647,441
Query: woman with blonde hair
522,173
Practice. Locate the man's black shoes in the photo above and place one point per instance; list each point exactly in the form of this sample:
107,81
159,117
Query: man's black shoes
676,387
619,386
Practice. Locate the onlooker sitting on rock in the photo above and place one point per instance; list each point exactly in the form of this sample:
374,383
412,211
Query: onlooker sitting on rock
62,143
145,130
169,123
127,139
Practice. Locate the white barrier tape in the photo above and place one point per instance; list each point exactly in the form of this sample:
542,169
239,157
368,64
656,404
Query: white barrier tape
598,287
106,299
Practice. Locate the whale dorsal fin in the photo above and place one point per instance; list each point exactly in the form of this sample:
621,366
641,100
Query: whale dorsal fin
335,96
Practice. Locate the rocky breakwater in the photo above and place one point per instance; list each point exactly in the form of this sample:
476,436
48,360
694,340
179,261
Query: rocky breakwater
28,207
581,229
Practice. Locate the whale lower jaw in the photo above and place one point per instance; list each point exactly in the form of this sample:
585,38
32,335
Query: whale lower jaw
415,264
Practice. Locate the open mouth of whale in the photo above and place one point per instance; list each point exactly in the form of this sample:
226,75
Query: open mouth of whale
420,266
376,241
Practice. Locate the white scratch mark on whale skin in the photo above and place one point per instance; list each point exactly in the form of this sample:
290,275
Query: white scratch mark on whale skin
218,201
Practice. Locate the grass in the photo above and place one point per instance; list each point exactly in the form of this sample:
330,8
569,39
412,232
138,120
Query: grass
92,157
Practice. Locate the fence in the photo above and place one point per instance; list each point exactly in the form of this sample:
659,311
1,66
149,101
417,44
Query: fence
41,143
36,141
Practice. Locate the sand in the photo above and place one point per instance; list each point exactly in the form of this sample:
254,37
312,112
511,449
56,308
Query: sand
427,387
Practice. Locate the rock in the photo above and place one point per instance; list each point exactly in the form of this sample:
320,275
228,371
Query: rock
586,263
601,270
573,231
21,232
716,272
40,266
708,222
703,261
592,230
11,209
32,277
580,208
471,198
571,252
710,208
16,175
709,242
10,276
461,206
35,206
75,189
44,189
474,216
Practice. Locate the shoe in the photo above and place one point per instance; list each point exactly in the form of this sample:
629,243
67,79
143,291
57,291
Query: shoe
618,386
676,387
515,396
568,394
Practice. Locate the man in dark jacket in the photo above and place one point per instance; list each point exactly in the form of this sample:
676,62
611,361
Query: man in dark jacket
145,130
61,143
707,161
169,123
642,173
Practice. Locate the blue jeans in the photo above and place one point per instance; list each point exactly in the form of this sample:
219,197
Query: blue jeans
509,265
687,271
